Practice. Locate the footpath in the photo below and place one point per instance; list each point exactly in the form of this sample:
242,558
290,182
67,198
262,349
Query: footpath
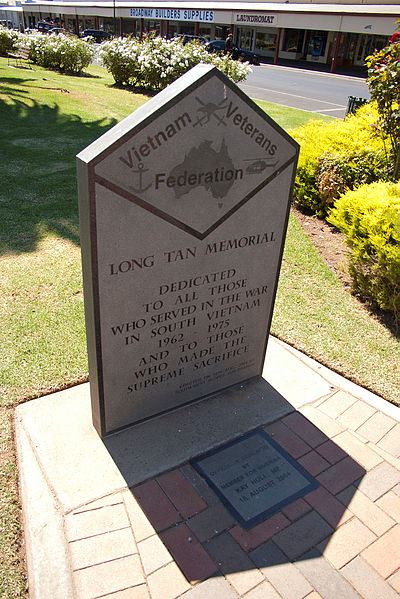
129,518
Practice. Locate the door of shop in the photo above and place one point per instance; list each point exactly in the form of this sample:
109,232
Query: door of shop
245,38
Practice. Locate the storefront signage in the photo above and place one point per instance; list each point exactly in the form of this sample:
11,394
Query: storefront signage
173,14
260,19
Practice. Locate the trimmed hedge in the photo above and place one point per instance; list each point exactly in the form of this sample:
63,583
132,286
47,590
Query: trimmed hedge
370,219
337,156
335,174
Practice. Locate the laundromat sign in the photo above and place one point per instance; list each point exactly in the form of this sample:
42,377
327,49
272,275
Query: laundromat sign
255,19
173,14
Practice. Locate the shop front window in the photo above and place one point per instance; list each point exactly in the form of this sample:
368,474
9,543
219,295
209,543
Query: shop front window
245,38
347,48
221,32
70,24
152,27
108,25
128,26
89,24
368,44
293,40
187,29
265,41
173,29
317,44
205,31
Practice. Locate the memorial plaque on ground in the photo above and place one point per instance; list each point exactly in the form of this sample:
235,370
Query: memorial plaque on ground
254,477
183,210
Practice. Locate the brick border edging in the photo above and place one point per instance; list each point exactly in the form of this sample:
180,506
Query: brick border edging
339,381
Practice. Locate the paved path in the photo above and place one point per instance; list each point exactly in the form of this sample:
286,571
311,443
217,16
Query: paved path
170,536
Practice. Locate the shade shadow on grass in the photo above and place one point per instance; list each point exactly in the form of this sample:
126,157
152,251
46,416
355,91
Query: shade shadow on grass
16,92
38,194
84,75
135,89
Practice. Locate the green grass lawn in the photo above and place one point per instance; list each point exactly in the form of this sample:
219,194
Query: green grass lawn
45,120
314,313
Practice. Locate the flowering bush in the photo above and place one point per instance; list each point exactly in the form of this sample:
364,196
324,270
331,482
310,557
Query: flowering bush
162,61
8,41
154,62
59,52
121,59
384,84
234,69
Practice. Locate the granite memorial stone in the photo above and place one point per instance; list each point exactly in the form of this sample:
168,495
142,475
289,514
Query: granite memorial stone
183,208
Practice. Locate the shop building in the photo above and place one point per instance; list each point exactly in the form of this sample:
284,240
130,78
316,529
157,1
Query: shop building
11,16
337,34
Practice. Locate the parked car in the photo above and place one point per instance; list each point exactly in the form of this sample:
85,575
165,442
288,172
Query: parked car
97,34
58,30
191,38
237,53
44,27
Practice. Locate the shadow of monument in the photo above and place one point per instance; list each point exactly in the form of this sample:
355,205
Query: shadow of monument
208,541
38,190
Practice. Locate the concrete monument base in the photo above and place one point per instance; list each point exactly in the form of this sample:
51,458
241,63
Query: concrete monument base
64,465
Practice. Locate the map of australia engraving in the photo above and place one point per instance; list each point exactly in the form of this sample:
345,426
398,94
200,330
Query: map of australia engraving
208,167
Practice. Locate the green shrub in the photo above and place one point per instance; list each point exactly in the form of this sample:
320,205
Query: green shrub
370,219
335,156
336,174
8,41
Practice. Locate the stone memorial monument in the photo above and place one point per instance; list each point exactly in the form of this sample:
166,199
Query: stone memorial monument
184,208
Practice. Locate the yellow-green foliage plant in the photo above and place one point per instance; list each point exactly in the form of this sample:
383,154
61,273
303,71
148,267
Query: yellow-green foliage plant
370,219
335,156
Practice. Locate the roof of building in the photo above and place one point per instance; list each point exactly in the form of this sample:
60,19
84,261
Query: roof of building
7,8
229,5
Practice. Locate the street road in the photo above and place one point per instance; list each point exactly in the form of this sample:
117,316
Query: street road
299,88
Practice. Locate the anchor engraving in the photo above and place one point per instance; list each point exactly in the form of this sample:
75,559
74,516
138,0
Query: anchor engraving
140,171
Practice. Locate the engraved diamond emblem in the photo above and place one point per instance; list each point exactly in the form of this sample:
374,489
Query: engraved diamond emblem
199,158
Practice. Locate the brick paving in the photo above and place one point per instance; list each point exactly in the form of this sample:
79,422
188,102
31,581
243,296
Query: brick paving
171,536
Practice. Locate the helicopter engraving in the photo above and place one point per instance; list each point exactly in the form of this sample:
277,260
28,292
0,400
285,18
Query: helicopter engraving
258,165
